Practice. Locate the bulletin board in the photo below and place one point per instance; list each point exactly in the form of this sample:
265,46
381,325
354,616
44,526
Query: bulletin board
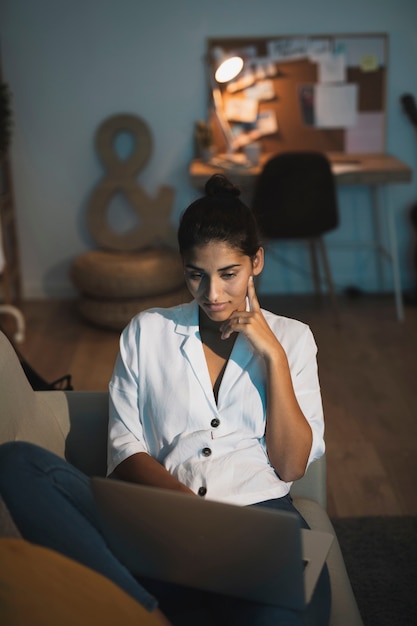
320,92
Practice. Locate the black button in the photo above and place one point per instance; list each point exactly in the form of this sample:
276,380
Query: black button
202,491
215,422
206,451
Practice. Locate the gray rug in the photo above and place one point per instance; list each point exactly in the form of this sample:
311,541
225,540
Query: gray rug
381,558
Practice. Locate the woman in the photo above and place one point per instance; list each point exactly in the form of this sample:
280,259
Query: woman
216,398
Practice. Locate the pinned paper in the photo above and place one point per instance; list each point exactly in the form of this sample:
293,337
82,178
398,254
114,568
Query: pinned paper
241,110
288,49
332,68
246,79
318,47
335,106
369,63
358,49
306,98
267,122
263,90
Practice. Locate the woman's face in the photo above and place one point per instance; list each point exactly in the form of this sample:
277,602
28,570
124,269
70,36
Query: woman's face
217,277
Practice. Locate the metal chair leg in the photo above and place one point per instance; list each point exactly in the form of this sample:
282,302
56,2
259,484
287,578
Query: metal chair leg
314,265
329,279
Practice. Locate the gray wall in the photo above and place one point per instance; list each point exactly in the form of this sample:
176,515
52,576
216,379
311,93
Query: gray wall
72,64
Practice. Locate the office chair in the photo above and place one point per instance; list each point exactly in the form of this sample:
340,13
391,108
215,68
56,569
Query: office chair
295,198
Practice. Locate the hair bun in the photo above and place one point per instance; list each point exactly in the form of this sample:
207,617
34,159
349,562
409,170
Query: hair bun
219,185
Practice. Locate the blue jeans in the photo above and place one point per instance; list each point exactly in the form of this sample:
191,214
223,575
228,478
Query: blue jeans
52,505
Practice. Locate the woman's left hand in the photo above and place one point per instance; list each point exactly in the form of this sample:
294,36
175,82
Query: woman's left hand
253,325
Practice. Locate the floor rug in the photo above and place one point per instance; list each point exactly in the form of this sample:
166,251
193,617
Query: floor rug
381,558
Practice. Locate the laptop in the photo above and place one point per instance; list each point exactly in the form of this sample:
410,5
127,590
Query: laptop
254,553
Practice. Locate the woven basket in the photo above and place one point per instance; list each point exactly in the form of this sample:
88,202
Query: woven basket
116,314
104,274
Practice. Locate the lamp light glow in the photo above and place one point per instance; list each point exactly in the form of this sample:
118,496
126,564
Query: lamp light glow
228,69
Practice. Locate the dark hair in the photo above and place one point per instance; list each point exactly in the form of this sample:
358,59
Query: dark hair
220,216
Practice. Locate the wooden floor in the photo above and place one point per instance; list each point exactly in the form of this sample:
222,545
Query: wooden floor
368,373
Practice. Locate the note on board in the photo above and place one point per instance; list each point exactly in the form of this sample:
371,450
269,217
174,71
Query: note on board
331,68
287,48
263,90
369,63
243,110
335,106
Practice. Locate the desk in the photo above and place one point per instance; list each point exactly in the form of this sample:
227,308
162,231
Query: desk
373,170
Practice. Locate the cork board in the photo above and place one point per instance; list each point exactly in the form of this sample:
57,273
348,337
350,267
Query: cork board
321,92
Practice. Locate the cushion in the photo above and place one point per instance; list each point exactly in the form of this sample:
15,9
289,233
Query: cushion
43,588
112,275
116,314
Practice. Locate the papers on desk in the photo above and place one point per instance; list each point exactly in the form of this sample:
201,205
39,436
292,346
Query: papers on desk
343,168
240,161
230,161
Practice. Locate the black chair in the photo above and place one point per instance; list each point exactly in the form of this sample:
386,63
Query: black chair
295,198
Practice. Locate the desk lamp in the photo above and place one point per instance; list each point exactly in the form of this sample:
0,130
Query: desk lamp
224,69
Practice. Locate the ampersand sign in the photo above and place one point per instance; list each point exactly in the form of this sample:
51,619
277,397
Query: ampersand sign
154,224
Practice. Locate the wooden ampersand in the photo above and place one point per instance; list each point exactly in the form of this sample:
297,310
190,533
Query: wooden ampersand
154,226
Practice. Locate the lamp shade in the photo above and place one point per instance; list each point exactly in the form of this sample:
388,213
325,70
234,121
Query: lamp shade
226,67
229,69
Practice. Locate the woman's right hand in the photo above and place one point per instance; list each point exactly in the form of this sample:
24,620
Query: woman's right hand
143,469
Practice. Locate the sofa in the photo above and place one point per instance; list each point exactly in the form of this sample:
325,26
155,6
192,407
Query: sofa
73,424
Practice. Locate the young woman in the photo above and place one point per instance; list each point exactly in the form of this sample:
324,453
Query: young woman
216,398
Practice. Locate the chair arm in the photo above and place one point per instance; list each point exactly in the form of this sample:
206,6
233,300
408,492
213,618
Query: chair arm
313,484
344,609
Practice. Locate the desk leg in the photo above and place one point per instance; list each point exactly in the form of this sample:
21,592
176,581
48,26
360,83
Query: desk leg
393,248
378,235
392,233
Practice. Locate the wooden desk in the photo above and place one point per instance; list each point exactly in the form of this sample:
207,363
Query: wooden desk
373,170
352,169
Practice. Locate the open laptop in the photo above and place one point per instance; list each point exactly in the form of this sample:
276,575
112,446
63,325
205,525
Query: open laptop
254,553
